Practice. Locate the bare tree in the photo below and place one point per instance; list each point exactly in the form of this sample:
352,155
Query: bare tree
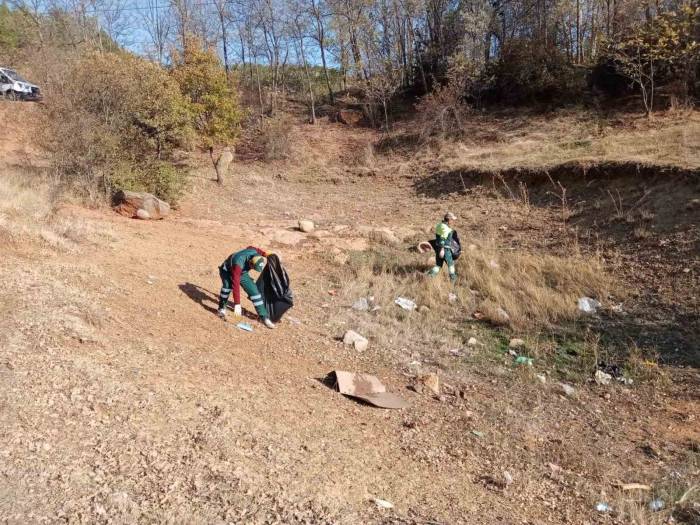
157,21
319,12
223,14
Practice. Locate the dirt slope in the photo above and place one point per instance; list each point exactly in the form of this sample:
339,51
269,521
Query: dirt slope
124,399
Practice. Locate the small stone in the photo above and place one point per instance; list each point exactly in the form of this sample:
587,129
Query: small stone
516,343
142,214
306,225
472,341
542,378
352,338
430,381
502,315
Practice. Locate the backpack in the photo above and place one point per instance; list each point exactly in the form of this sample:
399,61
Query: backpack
273,285
455,246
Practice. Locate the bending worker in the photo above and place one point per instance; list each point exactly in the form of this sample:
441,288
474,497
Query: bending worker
443,246
234,274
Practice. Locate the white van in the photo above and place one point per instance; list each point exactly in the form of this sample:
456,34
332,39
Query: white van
14,87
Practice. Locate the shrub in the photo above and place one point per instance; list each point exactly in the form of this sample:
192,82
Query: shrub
213,101
162,179
276,137
661,52
529,71
116,114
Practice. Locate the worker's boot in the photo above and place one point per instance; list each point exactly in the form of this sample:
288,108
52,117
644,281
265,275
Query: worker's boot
221,312
268,323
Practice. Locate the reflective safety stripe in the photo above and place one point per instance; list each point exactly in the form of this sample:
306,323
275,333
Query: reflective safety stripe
224,290
257,303
224,294
452,269
253,297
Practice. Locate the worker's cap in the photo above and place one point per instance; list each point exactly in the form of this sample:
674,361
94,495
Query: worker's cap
258,263
449,216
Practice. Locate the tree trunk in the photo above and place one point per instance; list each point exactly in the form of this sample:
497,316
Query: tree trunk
219,175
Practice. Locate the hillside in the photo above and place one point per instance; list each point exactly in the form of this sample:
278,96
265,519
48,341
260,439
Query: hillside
123,398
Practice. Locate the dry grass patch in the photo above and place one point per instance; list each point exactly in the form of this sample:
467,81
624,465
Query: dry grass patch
533,290
29,215
540,142
24,208
518,290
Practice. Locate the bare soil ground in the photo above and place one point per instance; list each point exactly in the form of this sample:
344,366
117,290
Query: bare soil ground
124,399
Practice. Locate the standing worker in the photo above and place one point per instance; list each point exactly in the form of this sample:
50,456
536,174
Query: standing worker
443,246
234,274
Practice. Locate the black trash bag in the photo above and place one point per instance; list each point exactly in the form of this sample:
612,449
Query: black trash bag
273,284
455,246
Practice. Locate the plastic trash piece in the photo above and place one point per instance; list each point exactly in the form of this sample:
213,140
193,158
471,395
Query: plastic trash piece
382,503
656,505
406,304
603,507
477,433
602,378
588,305
522,360
245,327
362,304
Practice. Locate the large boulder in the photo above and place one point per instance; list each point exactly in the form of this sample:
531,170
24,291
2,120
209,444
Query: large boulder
140,205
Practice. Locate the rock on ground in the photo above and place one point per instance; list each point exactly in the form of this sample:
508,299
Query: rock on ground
306,225
383,235
128,203
352,338
429,382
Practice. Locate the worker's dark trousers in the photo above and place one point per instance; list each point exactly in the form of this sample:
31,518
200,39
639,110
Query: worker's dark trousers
248,286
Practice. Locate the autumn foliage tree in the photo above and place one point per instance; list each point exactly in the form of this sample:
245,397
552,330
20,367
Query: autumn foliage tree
212,97
662,47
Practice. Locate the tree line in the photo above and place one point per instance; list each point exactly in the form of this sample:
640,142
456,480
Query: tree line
509,51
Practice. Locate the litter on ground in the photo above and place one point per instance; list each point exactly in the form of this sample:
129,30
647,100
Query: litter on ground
603,507
522,360
588,305
245,327
406,304
367,388
382,503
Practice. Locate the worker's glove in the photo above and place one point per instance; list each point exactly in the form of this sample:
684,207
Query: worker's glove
442,253
237,310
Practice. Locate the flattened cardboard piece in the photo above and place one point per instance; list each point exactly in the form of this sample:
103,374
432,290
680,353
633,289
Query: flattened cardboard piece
367,388
385,400
352,384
